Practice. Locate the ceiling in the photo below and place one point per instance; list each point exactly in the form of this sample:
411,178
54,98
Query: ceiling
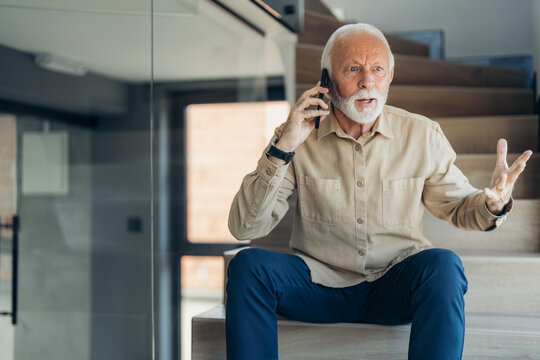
193,39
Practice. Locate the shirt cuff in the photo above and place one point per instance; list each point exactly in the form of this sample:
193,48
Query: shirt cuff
267,170
495,220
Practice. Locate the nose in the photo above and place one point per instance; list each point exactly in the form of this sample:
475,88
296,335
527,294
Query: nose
366,80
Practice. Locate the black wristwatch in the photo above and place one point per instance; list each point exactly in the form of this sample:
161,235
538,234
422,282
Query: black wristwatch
275,152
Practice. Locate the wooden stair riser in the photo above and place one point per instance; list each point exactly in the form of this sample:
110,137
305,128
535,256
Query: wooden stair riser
522,226
433,101
479,168
479,135
318,28
503,284
414,70
494,286
520,231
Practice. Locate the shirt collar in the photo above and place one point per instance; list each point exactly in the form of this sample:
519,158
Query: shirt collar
331,125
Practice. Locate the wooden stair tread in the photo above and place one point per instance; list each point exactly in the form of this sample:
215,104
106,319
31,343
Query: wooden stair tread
484,334
318,28
529,325
416,70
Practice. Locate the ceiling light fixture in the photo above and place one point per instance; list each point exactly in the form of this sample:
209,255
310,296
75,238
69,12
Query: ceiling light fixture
62,65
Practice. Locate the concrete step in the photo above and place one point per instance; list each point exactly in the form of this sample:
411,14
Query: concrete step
416,70
318,28
445,101
474,135
519,233
479,169
487,336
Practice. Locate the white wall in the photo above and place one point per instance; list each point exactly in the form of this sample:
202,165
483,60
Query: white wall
471,27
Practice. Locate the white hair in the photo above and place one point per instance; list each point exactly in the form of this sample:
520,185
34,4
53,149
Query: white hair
348,29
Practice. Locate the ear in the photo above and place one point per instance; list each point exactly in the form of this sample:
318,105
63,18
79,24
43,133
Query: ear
391,75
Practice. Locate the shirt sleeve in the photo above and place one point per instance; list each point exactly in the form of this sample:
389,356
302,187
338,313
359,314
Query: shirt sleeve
261,202
449,195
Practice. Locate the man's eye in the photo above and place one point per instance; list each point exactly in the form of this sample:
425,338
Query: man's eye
378,68
353,68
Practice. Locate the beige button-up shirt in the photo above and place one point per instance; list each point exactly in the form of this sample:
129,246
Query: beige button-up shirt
360,201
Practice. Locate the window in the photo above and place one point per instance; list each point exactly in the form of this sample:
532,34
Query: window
224,142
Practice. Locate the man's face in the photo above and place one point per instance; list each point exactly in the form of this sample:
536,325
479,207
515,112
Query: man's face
361,76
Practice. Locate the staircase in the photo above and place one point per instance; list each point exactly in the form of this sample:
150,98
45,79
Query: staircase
475,106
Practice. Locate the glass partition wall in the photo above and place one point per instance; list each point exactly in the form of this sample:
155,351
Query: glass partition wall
125,130
220,87
75,171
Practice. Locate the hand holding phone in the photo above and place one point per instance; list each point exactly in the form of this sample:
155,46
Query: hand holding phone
324,83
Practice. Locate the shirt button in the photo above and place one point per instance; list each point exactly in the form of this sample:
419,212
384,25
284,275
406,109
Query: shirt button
360,183
361,252
360,221
269,172
357,147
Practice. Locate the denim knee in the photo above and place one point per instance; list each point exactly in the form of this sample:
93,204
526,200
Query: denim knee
445,267
246,264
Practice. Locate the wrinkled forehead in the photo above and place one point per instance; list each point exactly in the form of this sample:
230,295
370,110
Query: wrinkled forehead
362,47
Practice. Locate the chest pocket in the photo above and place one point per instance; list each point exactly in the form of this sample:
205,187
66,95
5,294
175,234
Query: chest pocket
320,200
402,199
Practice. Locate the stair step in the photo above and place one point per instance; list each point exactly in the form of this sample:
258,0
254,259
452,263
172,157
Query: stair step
520,231
474,135
317,6
502,282
445,101
415,70
479,168
487,336
499,281
318,28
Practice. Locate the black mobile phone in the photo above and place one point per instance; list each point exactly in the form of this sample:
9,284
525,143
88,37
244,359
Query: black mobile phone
324,83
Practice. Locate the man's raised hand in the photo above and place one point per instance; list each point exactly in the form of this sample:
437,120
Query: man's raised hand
301,119
504,178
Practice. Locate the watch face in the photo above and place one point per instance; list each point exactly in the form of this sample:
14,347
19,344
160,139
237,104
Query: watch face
288,156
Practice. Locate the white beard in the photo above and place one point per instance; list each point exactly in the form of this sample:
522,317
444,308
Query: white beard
348,108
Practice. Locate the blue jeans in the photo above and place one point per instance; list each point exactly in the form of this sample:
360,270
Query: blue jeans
426,289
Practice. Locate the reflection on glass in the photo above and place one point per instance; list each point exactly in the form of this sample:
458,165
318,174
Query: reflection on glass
224,142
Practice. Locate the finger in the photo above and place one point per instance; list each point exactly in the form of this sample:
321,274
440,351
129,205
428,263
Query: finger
308,114
518,166
314,91
314,101
514,171
502,149
500,185
523,158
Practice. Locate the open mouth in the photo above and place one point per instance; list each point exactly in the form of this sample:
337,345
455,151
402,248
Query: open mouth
367,101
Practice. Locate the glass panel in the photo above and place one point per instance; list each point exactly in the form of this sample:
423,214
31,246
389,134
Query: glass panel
202,289
76,85
217,160
131,7
219,90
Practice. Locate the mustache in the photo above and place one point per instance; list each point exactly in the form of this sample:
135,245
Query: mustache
366,94
360,94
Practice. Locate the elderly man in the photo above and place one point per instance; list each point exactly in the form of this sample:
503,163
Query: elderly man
363,179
